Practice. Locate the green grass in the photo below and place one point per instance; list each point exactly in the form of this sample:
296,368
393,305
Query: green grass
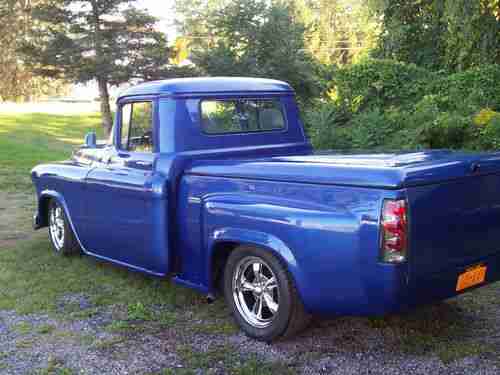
45,329
226,358
23,328
29,139
34,279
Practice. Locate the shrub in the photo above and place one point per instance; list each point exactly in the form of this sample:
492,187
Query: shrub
489,134
388,104
323,124
371,130
379,84
470,89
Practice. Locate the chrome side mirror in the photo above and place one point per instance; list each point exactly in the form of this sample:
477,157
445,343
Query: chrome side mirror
91,140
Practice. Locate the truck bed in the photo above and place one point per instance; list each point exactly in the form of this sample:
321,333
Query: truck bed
384,170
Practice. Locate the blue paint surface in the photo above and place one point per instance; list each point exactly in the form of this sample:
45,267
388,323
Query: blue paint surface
169,211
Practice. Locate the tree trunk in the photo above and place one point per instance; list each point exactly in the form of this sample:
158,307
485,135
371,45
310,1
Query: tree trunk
107,118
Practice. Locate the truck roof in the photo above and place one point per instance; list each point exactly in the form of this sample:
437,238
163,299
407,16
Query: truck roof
208,85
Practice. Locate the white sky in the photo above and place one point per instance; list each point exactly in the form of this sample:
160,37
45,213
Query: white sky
164,10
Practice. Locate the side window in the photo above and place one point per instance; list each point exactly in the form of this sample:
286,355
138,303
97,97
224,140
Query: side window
241,116
137,127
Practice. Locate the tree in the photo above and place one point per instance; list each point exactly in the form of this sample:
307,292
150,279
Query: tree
18,81
439,34
473,33
337,31
109,41
255,38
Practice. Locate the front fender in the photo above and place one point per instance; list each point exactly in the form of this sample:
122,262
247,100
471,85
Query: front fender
42,211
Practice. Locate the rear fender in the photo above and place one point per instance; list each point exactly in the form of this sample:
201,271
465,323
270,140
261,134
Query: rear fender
261,240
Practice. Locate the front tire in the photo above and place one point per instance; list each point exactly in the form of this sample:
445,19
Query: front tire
60,233
261,295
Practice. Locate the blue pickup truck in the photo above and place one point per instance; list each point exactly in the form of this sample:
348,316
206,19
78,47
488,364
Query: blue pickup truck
213,182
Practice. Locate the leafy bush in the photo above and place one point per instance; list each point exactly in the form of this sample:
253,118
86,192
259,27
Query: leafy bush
489,133
392,105
371,130
322,122
379,83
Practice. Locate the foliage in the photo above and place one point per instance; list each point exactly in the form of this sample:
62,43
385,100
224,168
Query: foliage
473,33
109,41
392,105
257,39
337,31
321,121
18,81
439,34
378,83
490,133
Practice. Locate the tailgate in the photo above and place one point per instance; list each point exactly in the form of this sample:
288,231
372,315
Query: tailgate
454,223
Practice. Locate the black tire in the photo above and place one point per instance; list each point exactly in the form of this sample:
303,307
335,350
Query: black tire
290,317
66,243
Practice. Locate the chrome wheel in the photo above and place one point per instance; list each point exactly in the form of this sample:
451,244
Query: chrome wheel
56,227
255,292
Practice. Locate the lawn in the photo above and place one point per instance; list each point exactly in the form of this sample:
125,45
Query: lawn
30,138
66,315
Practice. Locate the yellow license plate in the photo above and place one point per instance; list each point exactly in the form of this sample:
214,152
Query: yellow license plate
473,276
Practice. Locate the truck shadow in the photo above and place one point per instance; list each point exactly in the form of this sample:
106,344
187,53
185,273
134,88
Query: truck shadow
440,329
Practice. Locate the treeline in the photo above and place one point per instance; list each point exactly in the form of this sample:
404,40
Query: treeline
368,73
386,74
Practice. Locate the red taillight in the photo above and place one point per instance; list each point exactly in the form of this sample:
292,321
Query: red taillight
394,230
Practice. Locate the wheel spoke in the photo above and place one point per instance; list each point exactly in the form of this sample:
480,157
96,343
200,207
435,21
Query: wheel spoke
246,286
271,283
257,271
269,301
257,307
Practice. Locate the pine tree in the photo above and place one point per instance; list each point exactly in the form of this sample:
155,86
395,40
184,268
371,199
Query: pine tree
18,81
109,41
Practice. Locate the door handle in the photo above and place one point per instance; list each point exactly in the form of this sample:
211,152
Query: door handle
144,163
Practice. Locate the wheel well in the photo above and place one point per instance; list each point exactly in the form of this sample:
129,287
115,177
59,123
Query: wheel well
43,209
219,258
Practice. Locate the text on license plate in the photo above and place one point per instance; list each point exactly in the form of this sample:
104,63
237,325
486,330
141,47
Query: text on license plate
473,276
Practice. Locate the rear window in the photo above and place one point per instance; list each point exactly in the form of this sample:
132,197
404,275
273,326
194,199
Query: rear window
241,116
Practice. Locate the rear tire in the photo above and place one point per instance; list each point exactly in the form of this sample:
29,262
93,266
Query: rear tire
262,296
61,235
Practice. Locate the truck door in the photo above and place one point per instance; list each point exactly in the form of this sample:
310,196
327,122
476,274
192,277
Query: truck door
126,222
